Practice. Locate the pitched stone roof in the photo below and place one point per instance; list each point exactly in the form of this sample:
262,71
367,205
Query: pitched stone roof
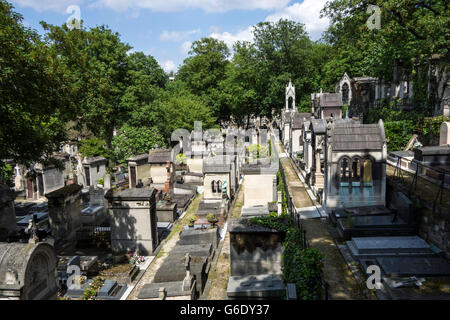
160,156
356,136
216,168
299,118
319,125
330,100
139,157
132,194
94,160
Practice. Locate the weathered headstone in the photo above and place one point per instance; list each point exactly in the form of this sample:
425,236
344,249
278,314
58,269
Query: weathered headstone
107,182
445,134
8,223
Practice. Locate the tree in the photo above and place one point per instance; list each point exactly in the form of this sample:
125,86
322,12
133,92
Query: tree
131,141
96,65
284,52
181,109
204,70
411,30
33,100
94,147
240,88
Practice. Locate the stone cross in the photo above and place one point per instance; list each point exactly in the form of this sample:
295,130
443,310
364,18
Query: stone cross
188,279
32,230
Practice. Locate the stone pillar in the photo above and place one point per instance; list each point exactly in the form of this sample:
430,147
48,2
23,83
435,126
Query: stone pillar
279,203
107,182
318,174
18,180
168,181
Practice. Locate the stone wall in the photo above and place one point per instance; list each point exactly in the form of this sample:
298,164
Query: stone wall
259,189
435,228
64,206
133,221
53,179
254,249
8,223
195,165
158,173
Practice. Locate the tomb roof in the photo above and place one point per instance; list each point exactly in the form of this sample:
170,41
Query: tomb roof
299,118
319,125
432,150
331,100
160,156
138,157
94,160
132,194
356,137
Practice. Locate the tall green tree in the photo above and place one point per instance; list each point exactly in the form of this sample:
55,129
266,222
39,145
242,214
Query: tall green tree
203,71
96,64
33,93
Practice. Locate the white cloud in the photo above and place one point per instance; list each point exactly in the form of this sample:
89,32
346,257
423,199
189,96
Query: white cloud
169,65
180,5
185,47
176,36
308,13
47,5
230,38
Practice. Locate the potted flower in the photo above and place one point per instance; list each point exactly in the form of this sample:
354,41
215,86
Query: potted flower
211,217
192,221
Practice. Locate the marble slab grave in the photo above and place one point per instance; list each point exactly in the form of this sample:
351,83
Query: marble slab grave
388,246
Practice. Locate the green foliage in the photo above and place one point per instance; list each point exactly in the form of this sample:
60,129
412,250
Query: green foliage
304,268
258,151
301,266
91,292
33,99
180,159
131,141
94,147
211,217
410,30
6,174
398,134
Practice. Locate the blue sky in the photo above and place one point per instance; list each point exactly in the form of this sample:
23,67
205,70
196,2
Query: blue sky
166,28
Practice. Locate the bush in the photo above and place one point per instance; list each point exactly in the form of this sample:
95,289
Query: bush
302,266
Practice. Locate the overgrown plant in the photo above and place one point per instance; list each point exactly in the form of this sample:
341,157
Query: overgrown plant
301,266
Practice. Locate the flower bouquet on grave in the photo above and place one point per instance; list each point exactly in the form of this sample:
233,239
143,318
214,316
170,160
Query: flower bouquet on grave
136,259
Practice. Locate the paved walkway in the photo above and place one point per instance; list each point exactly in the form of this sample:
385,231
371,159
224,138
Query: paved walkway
342,284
